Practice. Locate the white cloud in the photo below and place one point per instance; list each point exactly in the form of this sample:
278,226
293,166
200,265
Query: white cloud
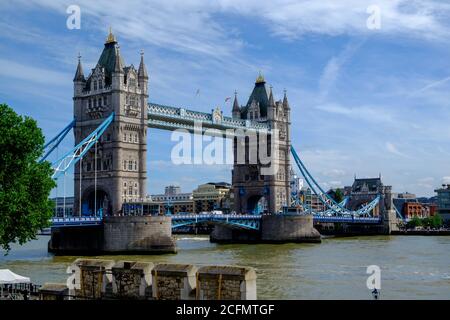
11,69
366,113
393,149
446,180
334,173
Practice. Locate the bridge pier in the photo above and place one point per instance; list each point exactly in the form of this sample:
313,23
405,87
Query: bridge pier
288,228
117,235
138,234
277,228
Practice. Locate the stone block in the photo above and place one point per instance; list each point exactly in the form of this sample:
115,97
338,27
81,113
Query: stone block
131,279
226,283
173,281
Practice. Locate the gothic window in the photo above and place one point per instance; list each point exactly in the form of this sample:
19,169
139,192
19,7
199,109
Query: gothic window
124,137
130,165
124,184
95,85
130,190
100,84
132,82
135,165
135,138
132,101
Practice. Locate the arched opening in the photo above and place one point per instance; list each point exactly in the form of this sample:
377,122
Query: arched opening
96,204
256,204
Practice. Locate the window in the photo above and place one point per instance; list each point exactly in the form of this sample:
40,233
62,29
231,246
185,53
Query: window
132,100
95,85
90,103
99,102
135,138
130,165
100,84
135,165
132,82
105,100
124,184
130,190
125,165
124,137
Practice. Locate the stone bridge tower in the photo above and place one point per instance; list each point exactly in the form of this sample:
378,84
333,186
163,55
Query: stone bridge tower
118,172
254,189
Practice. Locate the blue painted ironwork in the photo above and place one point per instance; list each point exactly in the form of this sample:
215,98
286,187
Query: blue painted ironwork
76,221
336,209
171,118
54,143
76,153
249,222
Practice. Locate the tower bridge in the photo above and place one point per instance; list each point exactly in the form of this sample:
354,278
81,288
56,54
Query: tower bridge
111,118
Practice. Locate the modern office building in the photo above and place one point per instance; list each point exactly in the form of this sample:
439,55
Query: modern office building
212,196
443,202
173,201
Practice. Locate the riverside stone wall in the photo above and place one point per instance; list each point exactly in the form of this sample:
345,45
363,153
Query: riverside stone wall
106,279
174,281
226,283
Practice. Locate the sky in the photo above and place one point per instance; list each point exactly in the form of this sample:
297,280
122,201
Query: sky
364,101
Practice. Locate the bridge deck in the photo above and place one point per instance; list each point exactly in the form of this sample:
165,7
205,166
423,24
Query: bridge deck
235,220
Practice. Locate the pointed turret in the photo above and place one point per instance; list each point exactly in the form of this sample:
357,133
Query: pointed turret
271,102
236,112
142,72
118,63
79,75
285,102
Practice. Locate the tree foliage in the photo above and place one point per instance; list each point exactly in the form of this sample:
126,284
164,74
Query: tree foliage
339,195
25,184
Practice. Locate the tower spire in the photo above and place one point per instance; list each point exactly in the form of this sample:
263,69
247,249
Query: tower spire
118,65
79,75
111,38
260,78
271,102
285,101
142,72
235,103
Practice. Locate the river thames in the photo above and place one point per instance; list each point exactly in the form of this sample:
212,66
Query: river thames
412,267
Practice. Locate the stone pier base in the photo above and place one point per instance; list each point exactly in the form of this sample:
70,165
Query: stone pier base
117,235
288,228
274,229
138,234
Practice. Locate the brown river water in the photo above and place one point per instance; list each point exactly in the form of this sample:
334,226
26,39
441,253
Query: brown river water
412,267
